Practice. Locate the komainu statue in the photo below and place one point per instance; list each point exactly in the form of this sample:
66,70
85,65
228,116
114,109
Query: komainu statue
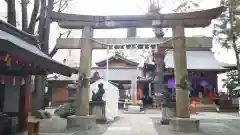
98,96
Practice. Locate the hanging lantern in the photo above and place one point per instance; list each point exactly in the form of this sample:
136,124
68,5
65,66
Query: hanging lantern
144,49
116,47
128,46
133,46
153,46
146,46
122,47
110,46
140,46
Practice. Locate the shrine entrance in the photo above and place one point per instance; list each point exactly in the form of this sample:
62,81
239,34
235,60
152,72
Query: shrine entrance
146,92
177,21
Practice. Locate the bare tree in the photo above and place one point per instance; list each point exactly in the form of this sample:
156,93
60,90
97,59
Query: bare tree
62,5
33,20
39,15
11,12
24,4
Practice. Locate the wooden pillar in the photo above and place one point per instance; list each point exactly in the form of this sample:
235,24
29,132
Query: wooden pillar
84,72
180,67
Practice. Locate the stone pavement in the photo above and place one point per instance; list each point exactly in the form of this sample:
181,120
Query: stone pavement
211,123
132,124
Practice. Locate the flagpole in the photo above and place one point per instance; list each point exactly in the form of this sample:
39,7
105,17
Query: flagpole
107,64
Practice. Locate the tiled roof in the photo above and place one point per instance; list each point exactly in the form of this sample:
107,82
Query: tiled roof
17,42
117,56
196,60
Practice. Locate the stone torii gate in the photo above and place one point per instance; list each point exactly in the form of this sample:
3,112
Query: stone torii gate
176,21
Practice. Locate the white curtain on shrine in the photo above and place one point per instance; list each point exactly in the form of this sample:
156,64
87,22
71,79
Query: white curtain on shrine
111,98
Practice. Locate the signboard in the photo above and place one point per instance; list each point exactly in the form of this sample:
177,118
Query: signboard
171,83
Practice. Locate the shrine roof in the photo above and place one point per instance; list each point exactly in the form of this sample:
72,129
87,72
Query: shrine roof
26,46
117,57
200,60
229,66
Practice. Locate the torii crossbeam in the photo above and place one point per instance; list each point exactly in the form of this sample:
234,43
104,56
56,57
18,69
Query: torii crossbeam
188,20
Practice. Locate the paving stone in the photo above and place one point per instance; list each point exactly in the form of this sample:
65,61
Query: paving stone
207,127
149,124
132,124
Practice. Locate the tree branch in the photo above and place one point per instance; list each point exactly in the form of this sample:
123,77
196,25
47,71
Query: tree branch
63,4
11,13
54,50
33,20
24,4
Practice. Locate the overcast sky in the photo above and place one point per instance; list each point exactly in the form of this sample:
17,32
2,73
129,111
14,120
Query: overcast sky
122,7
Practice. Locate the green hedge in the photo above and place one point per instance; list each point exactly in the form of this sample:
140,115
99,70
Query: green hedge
66,110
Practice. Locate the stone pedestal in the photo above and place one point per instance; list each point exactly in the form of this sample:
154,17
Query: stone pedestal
168,112
184,124
133,108
98,109
83,122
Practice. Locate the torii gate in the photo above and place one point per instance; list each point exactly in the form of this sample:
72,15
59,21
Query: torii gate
176,21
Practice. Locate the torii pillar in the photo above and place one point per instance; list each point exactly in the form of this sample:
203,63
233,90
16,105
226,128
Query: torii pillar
132,33
82,118
84,73
180,72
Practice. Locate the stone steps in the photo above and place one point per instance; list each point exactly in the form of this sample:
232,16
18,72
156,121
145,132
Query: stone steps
232,109
206,108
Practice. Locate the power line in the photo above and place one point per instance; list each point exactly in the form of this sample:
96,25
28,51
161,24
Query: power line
139,7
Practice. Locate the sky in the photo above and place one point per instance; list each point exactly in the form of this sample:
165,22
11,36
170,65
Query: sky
134,7
120,7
